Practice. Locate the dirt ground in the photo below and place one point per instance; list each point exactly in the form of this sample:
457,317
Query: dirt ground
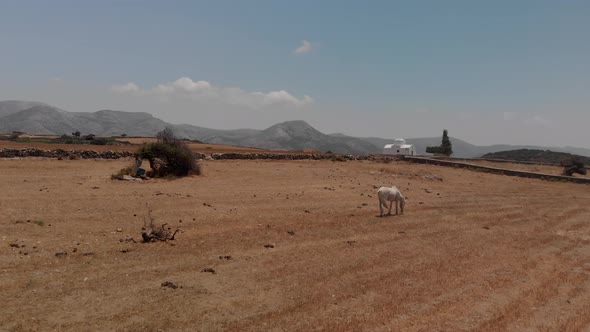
535,168
294,246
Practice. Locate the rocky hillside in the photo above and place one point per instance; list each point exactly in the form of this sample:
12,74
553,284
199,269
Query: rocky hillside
40,118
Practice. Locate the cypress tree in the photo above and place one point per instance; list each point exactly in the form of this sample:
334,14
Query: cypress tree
446,145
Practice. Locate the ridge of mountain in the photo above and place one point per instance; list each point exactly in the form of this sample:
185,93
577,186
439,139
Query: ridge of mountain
40,118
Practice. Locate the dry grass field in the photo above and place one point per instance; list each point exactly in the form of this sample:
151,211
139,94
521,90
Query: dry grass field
295,246
535,168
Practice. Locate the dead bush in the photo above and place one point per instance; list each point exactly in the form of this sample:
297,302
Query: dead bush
152,232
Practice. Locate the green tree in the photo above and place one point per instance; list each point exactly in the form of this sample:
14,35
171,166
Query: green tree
446,145
445,148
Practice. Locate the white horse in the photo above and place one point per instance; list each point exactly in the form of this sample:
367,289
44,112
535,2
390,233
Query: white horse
392,194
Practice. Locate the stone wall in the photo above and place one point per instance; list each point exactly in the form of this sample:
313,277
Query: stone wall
57,153
496,170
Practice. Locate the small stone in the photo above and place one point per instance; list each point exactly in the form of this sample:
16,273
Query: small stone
168,284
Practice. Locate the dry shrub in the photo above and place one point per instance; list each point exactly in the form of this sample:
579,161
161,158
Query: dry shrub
169,157
152,232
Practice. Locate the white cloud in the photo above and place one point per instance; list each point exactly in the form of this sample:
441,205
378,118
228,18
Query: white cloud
305,47
202,91
280,97
126,88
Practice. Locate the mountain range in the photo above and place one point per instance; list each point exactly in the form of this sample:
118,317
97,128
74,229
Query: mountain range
39,118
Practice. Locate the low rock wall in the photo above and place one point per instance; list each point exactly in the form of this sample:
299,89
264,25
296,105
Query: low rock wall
57,153
495,170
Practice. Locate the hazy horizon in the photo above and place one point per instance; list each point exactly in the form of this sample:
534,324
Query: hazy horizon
490,73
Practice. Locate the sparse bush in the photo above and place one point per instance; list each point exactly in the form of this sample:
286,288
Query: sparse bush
574,165
169,156
152,232
100,141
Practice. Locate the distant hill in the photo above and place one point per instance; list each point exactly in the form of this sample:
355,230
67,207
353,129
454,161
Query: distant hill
12,106
39,118
544,156
45,119
298,135
462,149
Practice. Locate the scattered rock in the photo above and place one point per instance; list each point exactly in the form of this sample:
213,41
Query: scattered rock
119,230
127,178
209,270
225,257
88,254
268,246
351,242
307,211
61,254
485,227
124,251
128,239
169,285
290,232
15,245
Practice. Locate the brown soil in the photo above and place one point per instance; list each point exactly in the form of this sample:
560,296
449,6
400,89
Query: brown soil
535,168
298,246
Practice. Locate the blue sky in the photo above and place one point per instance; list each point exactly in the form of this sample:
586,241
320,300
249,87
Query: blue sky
491,72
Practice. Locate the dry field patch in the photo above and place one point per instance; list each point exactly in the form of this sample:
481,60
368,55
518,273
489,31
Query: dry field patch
535,168
291,245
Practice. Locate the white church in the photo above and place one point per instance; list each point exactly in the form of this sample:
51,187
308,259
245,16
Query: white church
399,147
